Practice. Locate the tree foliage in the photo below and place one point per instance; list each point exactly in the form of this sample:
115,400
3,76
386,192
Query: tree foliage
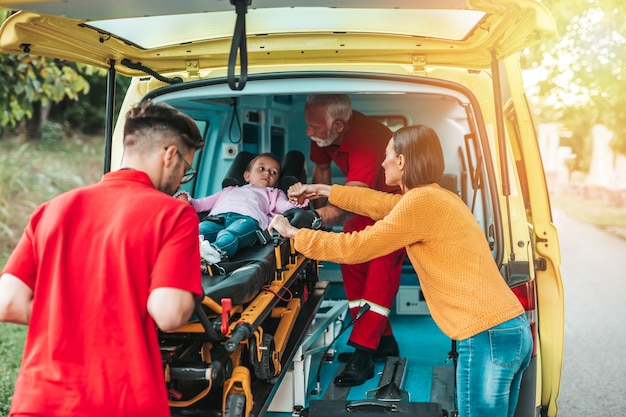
581,73
29,81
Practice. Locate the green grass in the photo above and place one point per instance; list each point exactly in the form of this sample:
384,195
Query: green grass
31,173
11,346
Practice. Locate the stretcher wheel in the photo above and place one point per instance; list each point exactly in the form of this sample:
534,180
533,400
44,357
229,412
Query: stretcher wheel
264,365
235,405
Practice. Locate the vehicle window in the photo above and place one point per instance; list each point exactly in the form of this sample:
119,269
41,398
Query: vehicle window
393,122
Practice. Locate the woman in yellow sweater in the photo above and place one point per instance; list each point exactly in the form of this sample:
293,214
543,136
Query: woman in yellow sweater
466,295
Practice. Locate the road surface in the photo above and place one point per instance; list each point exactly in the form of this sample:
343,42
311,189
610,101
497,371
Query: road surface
594,280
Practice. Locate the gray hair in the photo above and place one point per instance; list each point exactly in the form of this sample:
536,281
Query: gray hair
338,106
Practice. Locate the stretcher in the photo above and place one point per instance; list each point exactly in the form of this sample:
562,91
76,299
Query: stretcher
228,359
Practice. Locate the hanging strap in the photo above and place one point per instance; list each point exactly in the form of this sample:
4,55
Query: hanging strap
239,45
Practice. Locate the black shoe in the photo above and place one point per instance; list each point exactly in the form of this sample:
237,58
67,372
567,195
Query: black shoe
359,369
388,346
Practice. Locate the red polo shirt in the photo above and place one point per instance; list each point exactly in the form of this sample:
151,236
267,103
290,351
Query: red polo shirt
92,256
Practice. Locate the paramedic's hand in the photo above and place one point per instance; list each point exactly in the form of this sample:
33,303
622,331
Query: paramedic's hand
308,219
282,226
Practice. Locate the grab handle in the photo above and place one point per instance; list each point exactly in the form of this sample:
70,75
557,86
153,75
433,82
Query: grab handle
386,406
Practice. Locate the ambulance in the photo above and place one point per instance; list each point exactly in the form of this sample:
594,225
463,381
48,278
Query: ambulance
265,340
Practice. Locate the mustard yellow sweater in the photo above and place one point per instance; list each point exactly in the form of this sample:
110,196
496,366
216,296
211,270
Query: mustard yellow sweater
460,280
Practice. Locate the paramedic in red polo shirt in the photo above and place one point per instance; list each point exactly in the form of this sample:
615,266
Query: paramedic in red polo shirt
98,269
356,144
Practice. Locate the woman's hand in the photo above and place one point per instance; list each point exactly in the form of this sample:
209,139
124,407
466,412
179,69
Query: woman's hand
299,192
282,226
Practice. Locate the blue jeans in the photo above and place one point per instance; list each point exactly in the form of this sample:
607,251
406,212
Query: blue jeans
490,367
237,231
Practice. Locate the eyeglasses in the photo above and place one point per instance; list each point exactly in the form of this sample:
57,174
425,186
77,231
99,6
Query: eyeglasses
190,173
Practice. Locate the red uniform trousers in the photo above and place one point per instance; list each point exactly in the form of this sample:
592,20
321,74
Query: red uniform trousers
375,282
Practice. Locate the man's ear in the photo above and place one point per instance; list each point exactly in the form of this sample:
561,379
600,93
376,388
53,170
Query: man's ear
169,156
340,126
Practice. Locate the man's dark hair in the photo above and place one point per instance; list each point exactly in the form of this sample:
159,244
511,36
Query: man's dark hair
149,118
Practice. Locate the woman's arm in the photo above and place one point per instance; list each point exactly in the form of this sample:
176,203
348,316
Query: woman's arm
402,227
345,200
279,202
329,213
364,201
299,192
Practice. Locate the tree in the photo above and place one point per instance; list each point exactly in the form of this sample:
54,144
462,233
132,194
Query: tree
30,84
581,73
88,114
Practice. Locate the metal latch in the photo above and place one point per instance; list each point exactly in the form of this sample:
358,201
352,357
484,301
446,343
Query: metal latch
540,264
418,62
193,68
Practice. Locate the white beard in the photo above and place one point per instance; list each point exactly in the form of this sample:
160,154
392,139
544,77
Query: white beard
330,139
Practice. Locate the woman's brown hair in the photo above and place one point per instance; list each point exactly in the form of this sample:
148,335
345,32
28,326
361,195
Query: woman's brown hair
423,155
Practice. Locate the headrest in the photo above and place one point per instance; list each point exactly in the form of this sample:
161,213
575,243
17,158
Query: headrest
234,176
293,170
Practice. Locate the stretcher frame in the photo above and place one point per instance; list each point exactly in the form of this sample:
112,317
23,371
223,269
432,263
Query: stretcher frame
231,355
